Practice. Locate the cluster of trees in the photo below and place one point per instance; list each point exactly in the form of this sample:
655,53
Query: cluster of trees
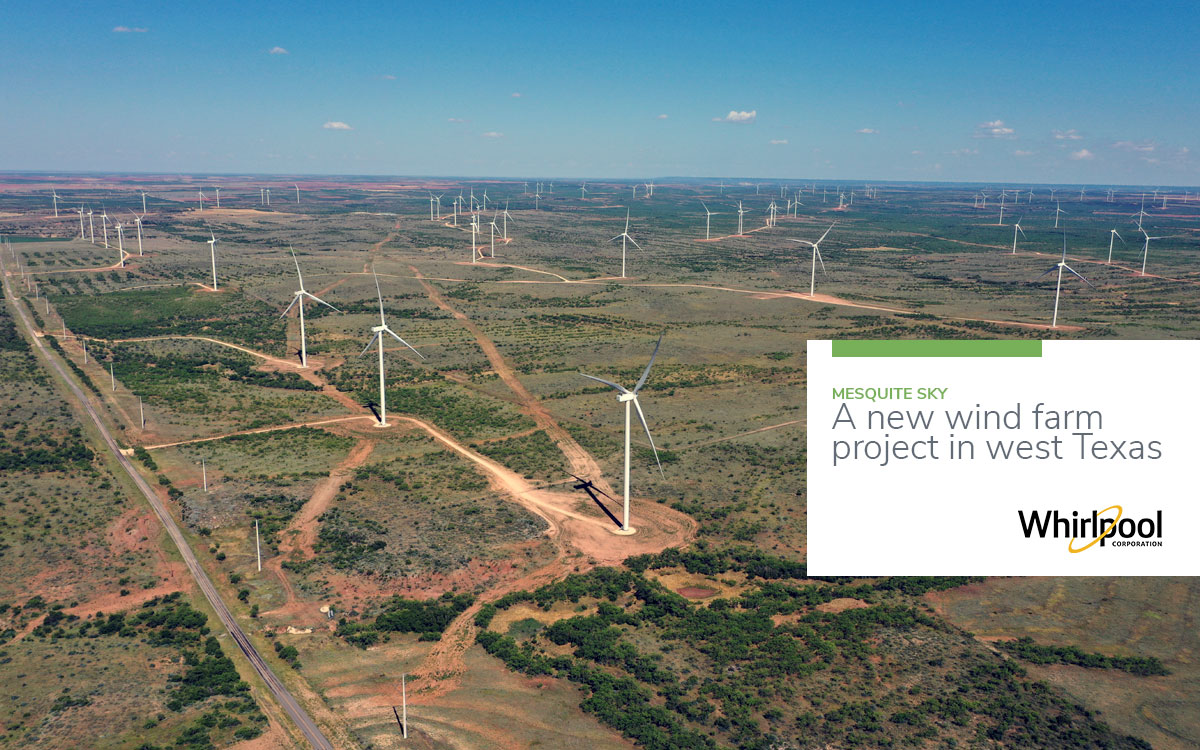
533,455
11,339
348,543
45,453
429,618
1035,653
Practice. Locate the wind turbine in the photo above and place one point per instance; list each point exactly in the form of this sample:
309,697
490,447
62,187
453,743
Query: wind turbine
1017,228
506,216
378,332
201,194
1058,210
120,244
268,196
583,191
494,230
623,237
138,219
297,194
1112,234
1003,196
91,226
816,258
1058,289
104,220
298,301
1146,248
54,195
431,206
143,202
80,210
212,251
707,221
630,399
741,213
218,192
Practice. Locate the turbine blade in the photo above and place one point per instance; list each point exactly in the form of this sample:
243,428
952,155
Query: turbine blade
646,427
379,295
1072,270
609,383
297,262
827,231
1052,269
369,345
820,260
290,306
646,372
639,247
315,298
402,341
802,242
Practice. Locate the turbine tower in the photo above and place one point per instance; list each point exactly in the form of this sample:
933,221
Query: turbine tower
741,213
91,226
624,237
1058,210
297,194
54,196
816,258
138,219
1017,228
1112,234
298,301
630,399
1146,248
120,245
80,210
104,221
707,221
1058,288
212,251
378,332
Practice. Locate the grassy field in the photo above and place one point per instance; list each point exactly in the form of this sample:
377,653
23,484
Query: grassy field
352,515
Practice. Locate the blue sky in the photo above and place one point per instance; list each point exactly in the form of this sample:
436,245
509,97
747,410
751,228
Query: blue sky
1042,92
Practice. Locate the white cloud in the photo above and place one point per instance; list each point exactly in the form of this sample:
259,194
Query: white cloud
994,129
736,116
1143,146
1021,152
867,131
336,125
387,77
129,30
964,152
493,134
778,142
516,95
1184,151
456,119
661,117
1082,154
277,51
1067,135
917,153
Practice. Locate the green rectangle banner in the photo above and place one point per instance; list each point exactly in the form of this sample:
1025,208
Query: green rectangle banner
938,348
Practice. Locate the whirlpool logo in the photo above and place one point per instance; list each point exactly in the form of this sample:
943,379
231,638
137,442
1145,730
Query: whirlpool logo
1104,528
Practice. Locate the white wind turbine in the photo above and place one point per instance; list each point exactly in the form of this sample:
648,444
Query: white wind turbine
707,221
104,221
120,245
218,192
378,332
495,229
431,206
506,216
1058,288
583,191
816,258
1058,210
623,237
630,399
741,213
297,194
138,219
1003,197
143,202
201,194
91,226
212,252
1146,248
54,196
298,302
80,210
1017,228
1112,234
